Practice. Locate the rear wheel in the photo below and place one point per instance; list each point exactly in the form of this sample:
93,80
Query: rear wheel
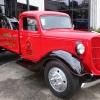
60,80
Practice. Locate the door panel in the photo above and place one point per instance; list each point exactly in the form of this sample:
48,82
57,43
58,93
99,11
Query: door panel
30,38
30,45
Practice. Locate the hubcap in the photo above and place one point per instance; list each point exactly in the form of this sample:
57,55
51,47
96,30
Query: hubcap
57,79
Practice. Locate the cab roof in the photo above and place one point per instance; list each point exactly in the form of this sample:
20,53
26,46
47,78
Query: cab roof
39,13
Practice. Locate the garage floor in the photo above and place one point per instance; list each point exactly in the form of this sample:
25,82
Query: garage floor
18,83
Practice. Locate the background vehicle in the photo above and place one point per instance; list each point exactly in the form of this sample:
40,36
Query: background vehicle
46,39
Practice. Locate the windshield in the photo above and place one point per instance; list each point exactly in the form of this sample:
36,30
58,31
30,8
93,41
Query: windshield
54,21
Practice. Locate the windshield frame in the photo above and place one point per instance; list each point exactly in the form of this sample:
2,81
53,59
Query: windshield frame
55,15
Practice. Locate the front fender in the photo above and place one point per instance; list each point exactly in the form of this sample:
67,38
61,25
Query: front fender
73,64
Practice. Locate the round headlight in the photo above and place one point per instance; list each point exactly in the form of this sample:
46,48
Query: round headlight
80,48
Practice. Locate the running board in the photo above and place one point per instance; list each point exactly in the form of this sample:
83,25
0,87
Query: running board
28,65
89,84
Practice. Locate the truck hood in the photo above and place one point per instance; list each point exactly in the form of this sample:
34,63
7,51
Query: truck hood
71,34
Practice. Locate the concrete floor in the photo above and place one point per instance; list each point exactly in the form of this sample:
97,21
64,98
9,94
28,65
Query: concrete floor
18,83
7,57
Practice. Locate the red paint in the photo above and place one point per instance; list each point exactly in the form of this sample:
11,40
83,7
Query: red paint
33,45
9,39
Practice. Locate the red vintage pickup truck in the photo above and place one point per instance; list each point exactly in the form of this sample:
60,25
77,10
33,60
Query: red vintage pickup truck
47,41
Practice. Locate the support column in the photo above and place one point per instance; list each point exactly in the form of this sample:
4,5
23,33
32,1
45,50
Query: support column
89,13
28,7
10,5
16,11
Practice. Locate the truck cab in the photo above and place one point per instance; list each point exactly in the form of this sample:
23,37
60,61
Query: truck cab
48,39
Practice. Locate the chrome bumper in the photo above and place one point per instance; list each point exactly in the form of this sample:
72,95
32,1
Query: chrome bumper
89,84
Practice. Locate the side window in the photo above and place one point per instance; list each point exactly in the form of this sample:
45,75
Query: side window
30,23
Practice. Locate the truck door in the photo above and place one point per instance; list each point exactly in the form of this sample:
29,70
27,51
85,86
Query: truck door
9,38
30,38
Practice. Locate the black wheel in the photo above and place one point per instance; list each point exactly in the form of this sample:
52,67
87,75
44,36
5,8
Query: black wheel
60,80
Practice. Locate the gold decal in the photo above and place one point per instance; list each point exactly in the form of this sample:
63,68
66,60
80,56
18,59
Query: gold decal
8,39
29,50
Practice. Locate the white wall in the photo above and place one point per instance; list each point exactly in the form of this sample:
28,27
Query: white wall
93,14
98,14
37,3
41,5
22,1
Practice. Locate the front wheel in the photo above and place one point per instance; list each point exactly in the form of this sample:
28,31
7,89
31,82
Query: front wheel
60,80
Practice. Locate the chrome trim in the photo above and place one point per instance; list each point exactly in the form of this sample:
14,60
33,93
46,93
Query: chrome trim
89,84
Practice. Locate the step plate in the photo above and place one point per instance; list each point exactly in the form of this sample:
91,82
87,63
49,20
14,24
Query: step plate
28,65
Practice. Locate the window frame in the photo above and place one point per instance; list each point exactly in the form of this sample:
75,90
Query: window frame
27,25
